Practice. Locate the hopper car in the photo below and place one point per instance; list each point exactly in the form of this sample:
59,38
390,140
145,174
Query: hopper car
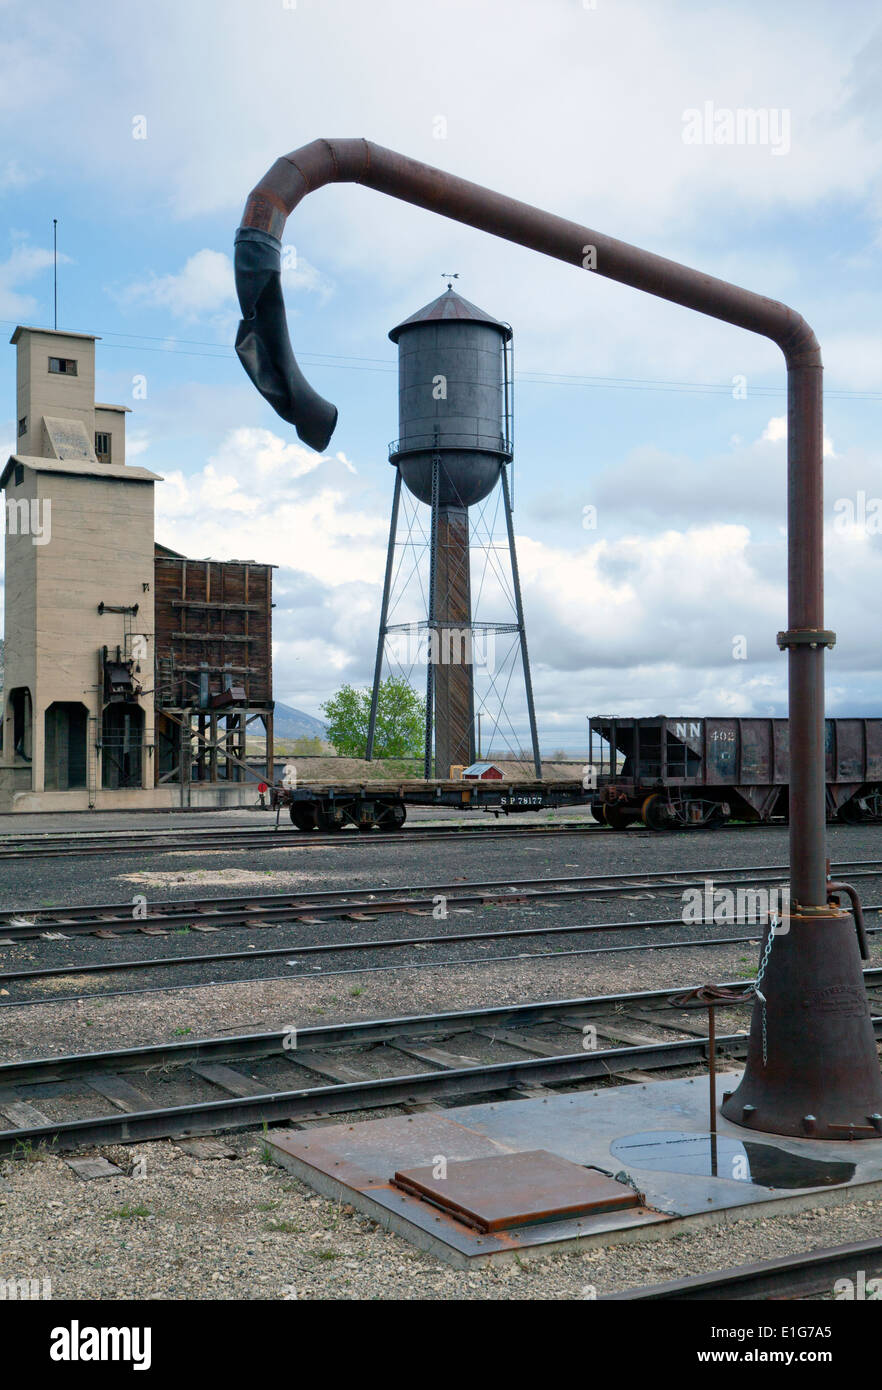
672,773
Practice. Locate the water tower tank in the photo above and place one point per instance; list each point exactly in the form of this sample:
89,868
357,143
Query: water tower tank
452,400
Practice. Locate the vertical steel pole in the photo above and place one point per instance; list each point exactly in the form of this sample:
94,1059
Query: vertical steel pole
516,584
384,613
805,567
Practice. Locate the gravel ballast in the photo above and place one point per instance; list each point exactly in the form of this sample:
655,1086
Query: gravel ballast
174,1226
241,1228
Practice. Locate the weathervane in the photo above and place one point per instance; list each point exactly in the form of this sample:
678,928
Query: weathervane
449,275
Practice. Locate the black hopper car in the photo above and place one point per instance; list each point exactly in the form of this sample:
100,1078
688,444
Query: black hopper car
705,772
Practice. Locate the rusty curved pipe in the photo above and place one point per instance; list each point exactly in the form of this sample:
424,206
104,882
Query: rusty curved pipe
264,347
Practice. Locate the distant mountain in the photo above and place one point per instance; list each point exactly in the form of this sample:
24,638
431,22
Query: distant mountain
289,722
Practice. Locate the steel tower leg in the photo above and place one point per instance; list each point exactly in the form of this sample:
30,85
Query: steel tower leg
433,640
516,582
384,613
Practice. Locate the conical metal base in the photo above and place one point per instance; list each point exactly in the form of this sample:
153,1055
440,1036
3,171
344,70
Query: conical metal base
821,1078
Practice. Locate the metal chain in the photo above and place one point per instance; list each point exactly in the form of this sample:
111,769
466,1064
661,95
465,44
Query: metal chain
759,978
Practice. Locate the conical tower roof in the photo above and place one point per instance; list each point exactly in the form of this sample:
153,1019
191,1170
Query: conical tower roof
449,305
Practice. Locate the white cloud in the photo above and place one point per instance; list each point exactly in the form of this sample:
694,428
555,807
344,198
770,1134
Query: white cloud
13,176
281,503
24,263
596,135
206,285
203,286
641,621
775,432
776,429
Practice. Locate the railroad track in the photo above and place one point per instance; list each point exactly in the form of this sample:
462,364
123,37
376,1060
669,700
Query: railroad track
349,949
364,903
795,1276
245,841
241,839
213,1084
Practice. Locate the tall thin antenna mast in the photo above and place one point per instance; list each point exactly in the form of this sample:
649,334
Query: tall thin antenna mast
55,267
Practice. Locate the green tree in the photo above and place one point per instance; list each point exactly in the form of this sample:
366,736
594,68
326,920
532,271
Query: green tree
307,744
401,720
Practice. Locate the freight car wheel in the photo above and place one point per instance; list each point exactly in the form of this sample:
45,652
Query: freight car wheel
389,815
302,815
616,818
654,814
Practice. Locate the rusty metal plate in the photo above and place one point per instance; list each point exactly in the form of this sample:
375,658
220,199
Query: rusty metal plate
521,1189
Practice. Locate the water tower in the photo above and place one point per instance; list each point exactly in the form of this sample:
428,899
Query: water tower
454,447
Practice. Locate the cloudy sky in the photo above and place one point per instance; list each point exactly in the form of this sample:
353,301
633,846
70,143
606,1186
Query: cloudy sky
142,128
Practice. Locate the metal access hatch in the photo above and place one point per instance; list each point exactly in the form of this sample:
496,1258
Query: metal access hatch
522,1189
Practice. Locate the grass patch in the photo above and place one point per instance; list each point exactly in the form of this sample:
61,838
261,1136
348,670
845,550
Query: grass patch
129,1213
27,1152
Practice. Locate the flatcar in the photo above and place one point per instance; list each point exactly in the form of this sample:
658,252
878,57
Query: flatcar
383,805
705,772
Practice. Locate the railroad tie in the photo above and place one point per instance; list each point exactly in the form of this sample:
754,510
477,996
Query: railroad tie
524,1042
613,1031
22,1114
673,1025
436,1056
327,1065
236,1083
120,1092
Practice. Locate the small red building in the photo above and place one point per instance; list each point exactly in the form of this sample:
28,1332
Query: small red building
483,772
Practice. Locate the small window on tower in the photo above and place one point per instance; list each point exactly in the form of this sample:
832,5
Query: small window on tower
22,426
63,366
102,446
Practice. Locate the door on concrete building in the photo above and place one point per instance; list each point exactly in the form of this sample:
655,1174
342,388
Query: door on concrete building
20,705
65,746
122,739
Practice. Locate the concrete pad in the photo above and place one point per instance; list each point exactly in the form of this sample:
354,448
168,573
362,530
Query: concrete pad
627,1133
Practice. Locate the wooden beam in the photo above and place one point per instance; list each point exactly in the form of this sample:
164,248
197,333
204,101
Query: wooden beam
221,741
211,637
211,603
